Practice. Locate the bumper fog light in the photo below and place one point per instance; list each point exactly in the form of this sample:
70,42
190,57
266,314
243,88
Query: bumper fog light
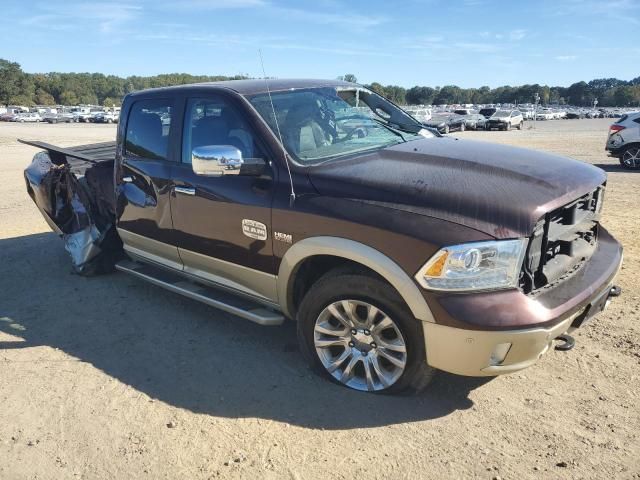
499,353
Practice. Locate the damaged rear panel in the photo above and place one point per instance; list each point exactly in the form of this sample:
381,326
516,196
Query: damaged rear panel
74,191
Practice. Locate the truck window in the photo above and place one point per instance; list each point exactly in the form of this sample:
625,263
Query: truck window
214,122
148,129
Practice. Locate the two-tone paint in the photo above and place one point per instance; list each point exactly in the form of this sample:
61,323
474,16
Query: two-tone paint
388,211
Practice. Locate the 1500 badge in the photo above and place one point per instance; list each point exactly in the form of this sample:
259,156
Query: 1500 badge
253,229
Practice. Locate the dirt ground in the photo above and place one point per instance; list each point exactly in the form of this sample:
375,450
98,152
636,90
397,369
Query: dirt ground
109,377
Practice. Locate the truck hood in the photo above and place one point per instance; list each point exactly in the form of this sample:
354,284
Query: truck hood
499,190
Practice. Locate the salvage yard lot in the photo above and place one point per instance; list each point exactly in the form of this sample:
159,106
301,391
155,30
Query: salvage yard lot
108,377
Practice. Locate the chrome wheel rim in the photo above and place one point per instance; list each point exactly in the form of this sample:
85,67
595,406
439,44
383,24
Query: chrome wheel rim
359,345
631,158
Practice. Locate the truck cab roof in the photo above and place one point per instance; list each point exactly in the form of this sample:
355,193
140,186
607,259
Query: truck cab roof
250,87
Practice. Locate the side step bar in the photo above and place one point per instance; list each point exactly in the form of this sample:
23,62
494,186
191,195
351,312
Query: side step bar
216,298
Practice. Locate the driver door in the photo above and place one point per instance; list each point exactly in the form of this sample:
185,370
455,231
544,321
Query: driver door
222,225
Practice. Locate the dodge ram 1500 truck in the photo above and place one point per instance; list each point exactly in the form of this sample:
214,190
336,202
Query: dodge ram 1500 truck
397,251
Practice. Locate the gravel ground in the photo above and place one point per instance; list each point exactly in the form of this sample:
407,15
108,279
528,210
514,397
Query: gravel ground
108,377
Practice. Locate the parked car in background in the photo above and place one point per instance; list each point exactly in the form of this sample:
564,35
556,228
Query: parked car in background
474,121
544,114
463,111
28,117
421,114
8,117
59,118
487,112
624,141
505,120
105,117
574,115
447,122
84,117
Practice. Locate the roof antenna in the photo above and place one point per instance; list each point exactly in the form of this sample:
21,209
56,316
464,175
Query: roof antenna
292,198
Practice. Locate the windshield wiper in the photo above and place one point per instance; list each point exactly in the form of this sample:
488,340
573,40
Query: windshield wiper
390,128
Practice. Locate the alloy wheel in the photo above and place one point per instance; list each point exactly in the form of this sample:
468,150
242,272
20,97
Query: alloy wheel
359,345
631,158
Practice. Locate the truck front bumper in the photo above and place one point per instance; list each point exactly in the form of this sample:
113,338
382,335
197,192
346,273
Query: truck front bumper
489,334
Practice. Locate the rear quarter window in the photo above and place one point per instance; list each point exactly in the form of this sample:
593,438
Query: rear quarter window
148,129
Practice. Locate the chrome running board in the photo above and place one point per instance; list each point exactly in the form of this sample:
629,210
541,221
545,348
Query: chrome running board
216,298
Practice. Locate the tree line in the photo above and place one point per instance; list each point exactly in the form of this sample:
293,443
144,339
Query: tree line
20,88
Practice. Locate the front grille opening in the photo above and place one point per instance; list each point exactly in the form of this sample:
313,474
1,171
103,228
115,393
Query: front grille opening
562,242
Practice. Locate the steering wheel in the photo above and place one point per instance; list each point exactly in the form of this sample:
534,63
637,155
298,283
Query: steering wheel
359,130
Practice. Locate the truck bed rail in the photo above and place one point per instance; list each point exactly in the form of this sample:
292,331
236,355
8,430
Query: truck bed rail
92,153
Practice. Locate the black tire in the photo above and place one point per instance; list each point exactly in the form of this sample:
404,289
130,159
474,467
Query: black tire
462,127
343,284
520,125
630,157
508,127
446,129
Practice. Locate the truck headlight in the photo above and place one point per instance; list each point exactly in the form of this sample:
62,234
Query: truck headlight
488,265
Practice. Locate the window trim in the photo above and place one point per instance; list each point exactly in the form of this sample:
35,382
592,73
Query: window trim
170,154
228,101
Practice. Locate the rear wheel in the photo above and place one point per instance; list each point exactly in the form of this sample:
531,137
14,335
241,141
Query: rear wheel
631,157
356,331
520,125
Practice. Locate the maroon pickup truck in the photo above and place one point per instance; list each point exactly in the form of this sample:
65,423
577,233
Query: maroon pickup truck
396,250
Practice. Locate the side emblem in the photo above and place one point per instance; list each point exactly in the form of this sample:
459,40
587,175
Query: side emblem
253,229
283,237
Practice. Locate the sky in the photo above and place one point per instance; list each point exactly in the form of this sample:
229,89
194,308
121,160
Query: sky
468,43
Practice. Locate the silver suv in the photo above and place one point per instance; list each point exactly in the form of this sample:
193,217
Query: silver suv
624,140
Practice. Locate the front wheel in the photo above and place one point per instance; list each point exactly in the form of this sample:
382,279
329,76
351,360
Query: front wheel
356,331
630,158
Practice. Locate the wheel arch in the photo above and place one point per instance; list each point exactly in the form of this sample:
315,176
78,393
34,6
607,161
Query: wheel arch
353,252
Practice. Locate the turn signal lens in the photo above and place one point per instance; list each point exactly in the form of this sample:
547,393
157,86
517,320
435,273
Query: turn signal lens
435,268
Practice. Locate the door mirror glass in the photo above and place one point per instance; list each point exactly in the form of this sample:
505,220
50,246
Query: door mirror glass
216,160
219,160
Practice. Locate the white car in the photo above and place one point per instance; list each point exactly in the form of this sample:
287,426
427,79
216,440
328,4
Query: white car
505,120
624,141
28,117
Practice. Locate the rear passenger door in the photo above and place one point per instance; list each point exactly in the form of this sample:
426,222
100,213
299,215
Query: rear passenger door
223,224
144,181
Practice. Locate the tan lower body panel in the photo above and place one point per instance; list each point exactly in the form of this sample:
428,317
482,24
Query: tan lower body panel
238,277
212,270
152,250
469,352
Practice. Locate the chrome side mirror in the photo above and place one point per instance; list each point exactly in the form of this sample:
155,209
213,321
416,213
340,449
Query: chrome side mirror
216,160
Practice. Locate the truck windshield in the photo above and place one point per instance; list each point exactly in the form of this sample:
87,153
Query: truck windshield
318,124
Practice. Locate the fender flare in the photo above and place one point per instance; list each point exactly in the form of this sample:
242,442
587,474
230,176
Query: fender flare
356,252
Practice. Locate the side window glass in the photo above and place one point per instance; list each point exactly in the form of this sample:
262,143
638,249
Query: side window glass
213,121
148,129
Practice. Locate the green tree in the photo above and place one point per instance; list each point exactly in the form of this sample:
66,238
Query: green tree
44,98
68,98
10,76
349,77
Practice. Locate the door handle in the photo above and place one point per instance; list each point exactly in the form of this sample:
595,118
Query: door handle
127,179
185,190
